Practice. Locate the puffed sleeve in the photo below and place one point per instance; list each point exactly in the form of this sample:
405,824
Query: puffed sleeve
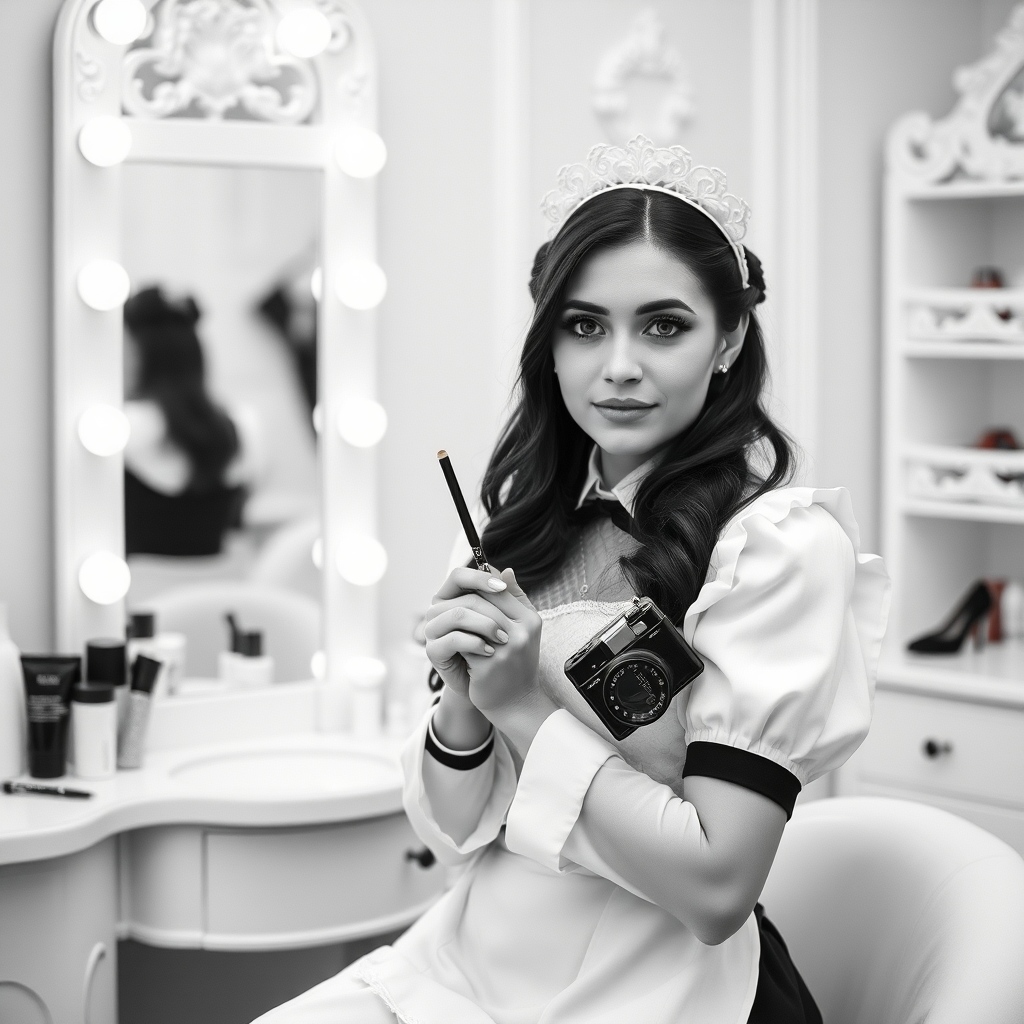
790,628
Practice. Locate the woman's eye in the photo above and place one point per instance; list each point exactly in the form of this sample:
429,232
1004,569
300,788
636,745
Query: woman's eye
666,327
584,327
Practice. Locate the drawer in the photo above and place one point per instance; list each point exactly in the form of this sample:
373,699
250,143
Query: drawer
942,746
303,887
195,887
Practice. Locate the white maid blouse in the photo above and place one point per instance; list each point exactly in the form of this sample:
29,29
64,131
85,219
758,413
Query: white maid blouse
790,625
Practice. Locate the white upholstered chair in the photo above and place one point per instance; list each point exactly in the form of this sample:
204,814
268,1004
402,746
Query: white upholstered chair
899,913
290,623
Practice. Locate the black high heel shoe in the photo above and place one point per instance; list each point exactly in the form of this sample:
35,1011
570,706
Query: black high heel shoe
949,638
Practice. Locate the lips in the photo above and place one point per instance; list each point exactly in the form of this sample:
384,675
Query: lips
623,403
623,410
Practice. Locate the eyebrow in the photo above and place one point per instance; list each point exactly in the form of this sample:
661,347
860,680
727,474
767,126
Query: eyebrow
588,307
647,307
651,307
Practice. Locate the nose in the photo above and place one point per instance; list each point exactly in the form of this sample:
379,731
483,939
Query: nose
621,364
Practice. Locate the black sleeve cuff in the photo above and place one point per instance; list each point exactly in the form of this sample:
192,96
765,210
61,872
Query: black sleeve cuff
456,759
741,767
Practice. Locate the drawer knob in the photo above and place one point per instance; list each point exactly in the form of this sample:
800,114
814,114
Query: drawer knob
425,857
936,748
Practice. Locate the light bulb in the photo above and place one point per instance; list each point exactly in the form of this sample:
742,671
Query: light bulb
304,32
103,285
318,418
103,430
105,141
362,422
316,284
360,284
361,670
360,152
119,21
318,664
316,552
104,577
361,560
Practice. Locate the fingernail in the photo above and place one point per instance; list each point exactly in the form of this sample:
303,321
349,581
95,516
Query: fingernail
502,636
488,649
496,584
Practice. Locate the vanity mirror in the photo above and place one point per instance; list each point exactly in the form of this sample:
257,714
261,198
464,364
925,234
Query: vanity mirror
214,218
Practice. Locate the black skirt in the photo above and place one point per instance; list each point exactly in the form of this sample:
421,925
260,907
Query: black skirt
781,997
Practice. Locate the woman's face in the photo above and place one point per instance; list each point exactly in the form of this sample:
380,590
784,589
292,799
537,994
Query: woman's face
637,343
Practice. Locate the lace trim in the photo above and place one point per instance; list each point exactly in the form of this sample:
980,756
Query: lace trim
584,606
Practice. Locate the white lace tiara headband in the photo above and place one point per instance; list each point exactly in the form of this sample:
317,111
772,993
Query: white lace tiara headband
649,168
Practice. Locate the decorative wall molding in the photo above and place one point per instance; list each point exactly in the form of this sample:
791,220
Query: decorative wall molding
211,58
784,225
644,53
983,136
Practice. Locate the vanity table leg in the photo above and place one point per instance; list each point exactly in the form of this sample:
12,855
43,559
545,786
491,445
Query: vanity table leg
58,948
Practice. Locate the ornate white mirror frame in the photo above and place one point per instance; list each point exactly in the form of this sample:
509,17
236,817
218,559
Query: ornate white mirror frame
321,115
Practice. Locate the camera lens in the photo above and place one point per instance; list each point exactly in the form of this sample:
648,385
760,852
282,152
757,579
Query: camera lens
637,687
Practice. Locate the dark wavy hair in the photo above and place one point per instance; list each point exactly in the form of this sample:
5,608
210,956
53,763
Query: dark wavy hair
172,374
732,453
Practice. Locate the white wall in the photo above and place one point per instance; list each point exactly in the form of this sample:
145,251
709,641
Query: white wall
26,28
438,375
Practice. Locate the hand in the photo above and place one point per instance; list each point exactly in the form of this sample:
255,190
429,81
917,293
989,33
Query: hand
483,637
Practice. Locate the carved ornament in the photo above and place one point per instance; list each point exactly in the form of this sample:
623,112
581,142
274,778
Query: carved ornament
982,138
644,53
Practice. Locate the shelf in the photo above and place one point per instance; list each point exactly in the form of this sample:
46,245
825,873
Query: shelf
963,510
967,190
991,350
956,457
965,296
993,675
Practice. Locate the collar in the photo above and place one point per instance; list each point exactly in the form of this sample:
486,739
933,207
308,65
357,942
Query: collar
624,492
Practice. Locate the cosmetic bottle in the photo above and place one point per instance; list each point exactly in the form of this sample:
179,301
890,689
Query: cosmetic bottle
132,737
245,664
141,631
94,730
408,695
167,648
13,741
365,677
106,661
49,679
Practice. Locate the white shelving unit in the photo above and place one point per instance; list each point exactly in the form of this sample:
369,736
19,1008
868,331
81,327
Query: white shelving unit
953,369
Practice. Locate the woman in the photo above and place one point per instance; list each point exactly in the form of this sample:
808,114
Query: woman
184,464
617,880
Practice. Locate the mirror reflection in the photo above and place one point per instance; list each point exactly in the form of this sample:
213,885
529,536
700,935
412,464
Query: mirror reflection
220,385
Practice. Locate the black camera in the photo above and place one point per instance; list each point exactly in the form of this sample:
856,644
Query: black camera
630,671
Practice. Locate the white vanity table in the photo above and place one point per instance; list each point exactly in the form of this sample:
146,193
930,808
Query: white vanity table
279,838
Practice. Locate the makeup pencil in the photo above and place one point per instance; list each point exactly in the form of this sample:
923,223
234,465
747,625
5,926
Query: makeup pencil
460,506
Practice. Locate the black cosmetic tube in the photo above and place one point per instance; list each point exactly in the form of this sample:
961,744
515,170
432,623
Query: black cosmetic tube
48,683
